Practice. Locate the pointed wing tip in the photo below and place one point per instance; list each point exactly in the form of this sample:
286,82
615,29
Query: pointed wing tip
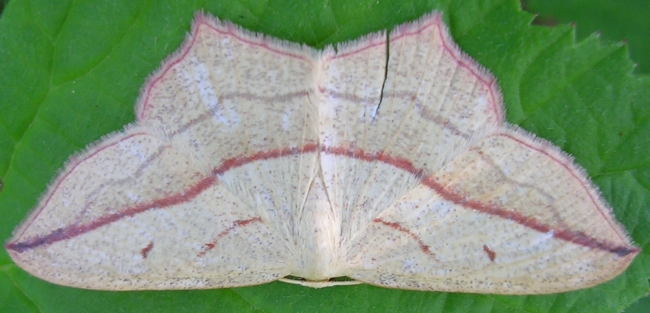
22,238
578,173
14,246
435,20
630,251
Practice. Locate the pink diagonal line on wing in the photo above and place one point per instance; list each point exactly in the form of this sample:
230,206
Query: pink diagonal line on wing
238,223
401,163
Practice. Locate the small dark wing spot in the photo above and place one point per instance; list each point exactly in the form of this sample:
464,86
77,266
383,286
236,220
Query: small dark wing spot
145,251
491,254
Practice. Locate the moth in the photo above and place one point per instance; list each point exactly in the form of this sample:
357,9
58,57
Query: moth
387,160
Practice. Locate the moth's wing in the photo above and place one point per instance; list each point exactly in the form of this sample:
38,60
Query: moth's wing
414,104
134,212
228,93
241,105
512,215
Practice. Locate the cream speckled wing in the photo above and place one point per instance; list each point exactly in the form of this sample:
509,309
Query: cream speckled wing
511,215
135,213
201,193
424,114
388,162
494,210
240,105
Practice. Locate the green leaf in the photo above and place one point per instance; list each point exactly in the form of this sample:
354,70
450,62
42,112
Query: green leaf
70,72
615,20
